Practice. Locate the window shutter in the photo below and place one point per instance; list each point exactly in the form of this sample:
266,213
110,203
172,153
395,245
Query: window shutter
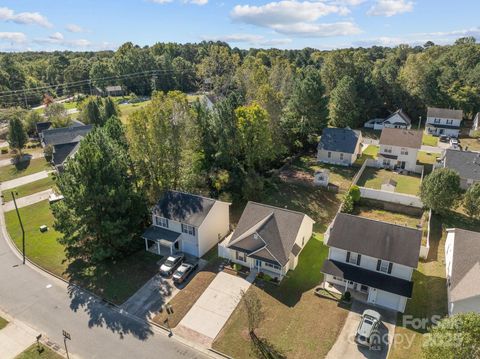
348,256
358,259
390,265
379,263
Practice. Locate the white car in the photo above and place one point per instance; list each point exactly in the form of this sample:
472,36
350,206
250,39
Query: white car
169,266
367,331
454,143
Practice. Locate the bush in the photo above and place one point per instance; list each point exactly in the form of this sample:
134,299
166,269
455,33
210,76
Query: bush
348,204
4,150
347,296
354,191
237,267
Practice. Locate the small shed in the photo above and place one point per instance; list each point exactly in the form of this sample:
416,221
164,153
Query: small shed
321,177
389,185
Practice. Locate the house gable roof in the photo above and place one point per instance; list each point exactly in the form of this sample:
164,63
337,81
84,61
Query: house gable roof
339,140
402,114
401,137
466,163
183,207
376,239
444,113
60,136
465,278
271,232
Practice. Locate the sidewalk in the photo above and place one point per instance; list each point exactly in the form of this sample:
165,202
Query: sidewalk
23,180
15,338
28,200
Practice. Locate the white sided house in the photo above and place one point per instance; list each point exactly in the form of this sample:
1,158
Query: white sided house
462,263
398,119
372,257
339,146
399,149
187,223
443,122
268,239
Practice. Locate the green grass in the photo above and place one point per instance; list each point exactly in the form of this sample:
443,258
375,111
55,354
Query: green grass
31,188
113,280
33,353
3,323
128,109
429,140
374,178
297,323
25,168
368,153
427,160
387,216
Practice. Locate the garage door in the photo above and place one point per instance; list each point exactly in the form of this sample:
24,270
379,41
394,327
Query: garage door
387,300
189,248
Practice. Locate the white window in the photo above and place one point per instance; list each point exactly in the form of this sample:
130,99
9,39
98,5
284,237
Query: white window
341,156
386,162
188,229
270,265
404,151
384,266
329,154
161,222
449,122
240,256
388,150
437,120
352,258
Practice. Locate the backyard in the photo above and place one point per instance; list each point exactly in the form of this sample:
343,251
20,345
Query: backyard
24,168
374,178
113,280
297,323
33,353
370,152
470,144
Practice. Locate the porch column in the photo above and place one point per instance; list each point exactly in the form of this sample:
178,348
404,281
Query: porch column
146,244
346,287
158,247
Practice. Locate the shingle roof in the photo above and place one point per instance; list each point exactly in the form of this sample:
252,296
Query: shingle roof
59,136
42,126
63,151
444,113
367,277
268,231
184,207
465,278
466,163
155,233
339,140
376,239
113,88
401,137
402,114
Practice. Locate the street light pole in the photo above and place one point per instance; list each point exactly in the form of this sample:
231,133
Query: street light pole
21,226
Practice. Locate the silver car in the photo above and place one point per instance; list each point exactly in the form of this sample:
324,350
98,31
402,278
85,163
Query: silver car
367,331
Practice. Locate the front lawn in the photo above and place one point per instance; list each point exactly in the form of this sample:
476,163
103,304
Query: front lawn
33,353
470,144
115,281
24,168
3,323
297,323
370,152
30,188
374,178
429,140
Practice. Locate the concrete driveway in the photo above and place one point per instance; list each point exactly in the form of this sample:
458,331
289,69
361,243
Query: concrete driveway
345,346
211,311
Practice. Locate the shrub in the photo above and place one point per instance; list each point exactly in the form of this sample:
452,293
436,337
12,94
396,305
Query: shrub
4,150
348,204
347,296
237,267
354,191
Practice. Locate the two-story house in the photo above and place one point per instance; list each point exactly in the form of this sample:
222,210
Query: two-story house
372,257
443,122
465,163
184,222
399,149
340,146
398,119
268,239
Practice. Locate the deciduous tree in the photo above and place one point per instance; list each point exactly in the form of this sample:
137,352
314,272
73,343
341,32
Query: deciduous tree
440,190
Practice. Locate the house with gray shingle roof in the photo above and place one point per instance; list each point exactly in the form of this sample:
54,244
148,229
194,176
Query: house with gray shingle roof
268,239
188,223
465,163
340,146
462,264
443,122
398,119
399,149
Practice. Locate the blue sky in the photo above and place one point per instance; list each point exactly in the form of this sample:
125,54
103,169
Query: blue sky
323,24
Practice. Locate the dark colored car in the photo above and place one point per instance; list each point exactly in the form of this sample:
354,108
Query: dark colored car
172,262
183,272
444,138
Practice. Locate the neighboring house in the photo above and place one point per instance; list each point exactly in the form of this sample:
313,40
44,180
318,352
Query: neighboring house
340,146
462,263
465,163
64,141
114,91
268,239
184,222
443,122
476,124
399,149
42,126
372,257
398,119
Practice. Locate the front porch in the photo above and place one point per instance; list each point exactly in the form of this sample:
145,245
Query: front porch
161,241
341,289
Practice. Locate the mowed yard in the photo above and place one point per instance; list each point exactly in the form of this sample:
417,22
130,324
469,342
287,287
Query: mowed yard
33,353
374,178
23,168
30,188
297,323
115,281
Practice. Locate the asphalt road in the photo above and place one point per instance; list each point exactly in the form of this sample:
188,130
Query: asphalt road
49,305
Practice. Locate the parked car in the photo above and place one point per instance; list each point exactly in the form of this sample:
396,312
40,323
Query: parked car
172,262
444,138
182,272
367,331
454,142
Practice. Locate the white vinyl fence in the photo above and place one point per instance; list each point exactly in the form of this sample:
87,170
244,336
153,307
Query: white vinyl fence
392,197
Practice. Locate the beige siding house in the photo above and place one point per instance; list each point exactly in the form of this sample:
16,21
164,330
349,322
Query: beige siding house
399,149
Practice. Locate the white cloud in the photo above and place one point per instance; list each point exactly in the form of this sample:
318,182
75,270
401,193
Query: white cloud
196,2
13,37
318,30
390,7
56,36
74,28
58,39
251,39
26,18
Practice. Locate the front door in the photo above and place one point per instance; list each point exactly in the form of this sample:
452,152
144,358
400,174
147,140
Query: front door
364,288
258,264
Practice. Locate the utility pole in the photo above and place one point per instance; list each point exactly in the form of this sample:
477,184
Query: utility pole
419,122
21,226
66,335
